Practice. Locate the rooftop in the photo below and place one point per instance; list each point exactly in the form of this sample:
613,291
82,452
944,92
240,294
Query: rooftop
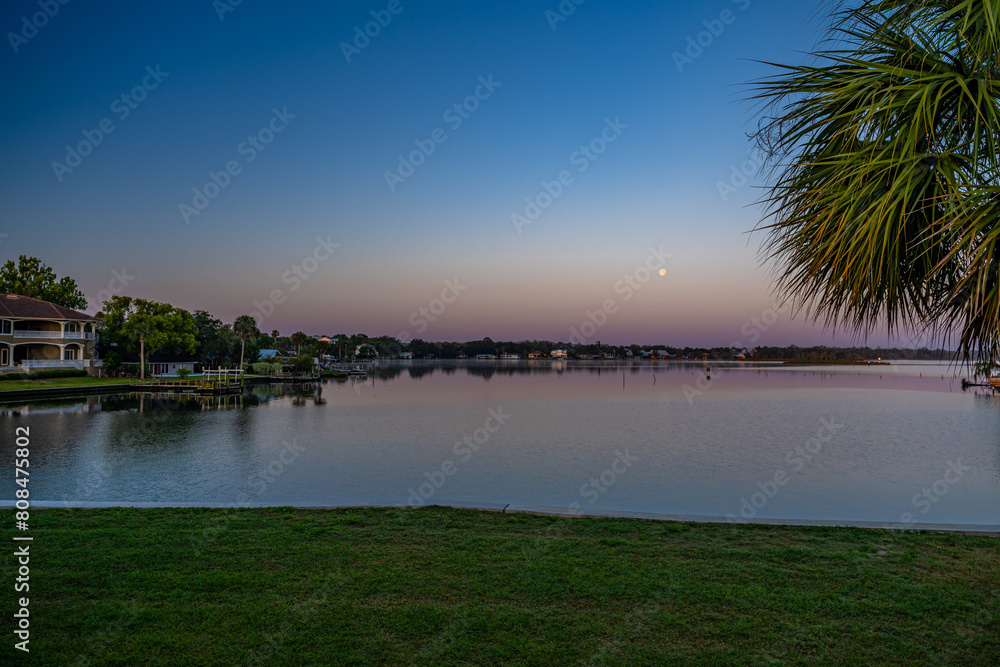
14,305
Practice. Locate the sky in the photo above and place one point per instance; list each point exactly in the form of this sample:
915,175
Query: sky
427,169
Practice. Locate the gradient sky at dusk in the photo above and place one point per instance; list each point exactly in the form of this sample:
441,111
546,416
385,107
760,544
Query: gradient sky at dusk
323,175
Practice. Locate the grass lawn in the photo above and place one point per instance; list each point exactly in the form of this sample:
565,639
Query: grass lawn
49,383
438,586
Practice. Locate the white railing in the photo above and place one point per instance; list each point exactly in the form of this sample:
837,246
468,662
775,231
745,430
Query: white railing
52,363
79,364
72,335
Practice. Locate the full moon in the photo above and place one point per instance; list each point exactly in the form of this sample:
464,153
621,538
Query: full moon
663,272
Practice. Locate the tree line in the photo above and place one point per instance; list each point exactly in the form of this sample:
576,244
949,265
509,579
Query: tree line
145,327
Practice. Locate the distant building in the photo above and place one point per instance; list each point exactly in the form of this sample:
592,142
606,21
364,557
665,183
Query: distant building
485,356
268,354
535,354
405,355
559,354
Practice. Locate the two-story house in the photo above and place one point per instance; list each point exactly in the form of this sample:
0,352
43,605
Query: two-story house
38,335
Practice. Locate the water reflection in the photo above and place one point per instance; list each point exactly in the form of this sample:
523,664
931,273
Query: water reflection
703,437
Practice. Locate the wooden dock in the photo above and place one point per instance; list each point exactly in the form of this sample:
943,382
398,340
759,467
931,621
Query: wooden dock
216,382
211,382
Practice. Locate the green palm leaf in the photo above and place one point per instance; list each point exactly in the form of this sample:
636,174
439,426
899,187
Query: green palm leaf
882,204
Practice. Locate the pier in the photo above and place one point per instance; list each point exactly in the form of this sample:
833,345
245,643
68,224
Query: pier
221,381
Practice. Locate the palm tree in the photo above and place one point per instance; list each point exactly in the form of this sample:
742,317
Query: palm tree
275,334
245,327
882,207
299,339
341,340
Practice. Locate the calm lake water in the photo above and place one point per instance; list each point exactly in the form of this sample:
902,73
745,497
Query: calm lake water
887,444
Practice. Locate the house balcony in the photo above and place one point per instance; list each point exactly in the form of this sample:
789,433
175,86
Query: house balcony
67,335
79,364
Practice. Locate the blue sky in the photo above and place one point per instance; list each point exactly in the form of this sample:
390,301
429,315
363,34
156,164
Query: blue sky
311,218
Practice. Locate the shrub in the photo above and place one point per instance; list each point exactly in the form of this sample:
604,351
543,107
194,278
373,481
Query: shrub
42,375
112,363
132,370
263,368
58,374
304,363
183,372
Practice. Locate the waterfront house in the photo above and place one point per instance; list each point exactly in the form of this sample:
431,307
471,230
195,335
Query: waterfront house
158,363
559,354
37,335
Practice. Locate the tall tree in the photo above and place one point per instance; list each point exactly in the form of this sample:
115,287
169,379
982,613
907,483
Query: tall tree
216,341
148,326
883,208
299,339
340,340
245,327
31,277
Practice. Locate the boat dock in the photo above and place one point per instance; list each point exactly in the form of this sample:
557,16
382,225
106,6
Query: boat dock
220,381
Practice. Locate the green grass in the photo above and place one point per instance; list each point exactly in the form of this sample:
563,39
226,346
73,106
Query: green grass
438,586
19,385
